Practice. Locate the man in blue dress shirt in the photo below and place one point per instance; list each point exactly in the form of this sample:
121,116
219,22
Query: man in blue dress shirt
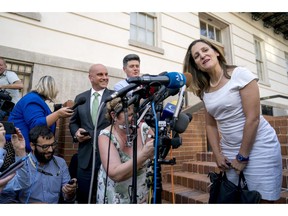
49,175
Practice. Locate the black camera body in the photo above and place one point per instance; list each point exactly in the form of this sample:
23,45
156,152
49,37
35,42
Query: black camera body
5,101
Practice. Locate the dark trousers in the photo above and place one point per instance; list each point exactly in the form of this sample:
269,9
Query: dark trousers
84,180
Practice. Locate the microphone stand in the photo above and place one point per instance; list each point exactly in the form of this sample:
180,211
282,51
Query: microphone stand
125,109
132,138
134,175
158,198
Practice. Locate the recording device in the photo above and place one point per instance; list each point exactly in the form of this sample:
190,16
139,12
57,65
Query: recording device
5,101
121,92
13,167
9,127
85,133
57,107
80,101
168,111
71,182
170,80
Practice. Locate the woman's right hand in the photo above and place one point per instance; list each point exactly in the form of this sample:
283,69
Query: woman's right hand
223,162
65,112
148,149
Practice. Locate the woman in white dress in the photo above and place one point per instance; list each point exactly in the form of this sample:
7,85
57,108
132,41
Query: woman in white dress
246,142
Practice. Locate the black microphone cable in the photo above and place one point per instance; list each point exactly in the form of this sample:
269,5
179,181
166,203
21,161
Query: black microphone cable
94,152
108,160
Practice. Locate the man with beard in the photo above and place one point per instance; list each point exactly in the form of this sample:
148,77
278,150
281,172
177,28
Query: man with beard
49,175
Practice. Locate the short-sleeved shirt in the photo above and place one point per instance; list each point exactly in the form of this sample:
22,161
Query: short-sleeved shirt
9,77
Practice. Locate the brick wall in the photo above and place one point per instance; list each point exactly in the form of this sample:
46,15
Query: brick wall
66,147
193,140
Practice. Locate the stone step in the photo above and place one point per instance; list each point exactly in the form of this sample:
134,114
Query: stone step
183,195
206,167
205,156
191,180
201,167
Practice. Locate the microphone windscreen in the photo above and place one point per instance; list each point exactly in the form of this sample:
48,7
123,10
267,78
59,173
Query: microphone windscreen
188,78
182,123
189,116
177,80
80,101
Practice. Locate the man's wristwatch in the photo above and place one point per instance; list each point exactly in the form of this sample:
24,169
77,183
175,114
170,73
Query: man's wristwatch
241,158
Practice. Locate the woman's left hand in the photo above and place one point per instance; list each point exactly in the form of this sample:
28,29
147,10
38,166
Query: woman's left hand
238,166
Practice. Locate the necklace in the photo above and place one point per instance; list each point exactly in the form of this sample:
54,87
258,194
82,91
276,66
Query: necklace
119,136
217,83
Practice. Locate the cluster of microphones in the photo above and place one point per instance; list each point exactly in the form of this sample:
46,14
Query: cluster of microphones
155,89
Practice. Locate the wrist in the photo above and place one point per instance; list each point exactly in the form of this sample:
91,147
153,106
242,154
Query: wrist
241,158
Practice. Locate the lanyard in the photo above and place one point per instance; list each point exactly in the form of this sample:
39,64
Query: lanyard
43,171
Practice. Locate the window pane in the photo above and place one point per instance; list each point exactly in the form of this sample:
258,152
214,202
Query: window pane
258,50
259,70
141,35
150,38
133,32
150,23
218,36
203,30
133,18
141,20
211,32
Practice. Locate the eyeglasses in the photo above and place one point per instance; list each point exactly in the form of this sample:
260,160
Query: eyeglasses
45,147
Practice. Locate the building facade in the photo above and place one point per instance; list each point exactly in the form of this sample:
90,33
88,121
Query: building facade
64,45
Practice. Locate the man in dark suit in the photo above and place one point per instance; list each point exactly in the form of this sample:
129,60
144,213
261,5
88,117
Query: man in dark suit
82,121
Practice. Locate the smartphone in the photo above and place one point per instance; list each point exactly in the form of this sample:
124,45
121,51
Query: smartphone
9,127
85,133
71,181
13,167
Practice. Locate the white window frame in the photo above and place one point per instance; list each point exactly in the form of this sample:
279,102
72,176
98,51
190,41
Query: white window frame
225,43
260,60
156,46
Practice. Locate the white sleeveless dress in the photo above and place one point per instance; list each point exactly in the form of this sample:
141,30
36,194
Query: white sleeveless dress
264,170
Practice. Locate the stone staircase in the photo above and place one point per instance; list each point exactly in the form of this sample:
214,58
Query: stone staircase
190,183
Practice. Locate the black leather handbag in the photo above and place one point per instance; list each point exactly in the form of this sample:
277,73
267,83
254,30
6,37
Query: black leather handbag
224,191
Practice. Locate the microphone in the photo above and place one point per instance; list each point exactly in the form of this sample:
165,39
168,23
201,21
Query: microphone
121,92
180,101
181,123
80,101
167,93
170,80
168,111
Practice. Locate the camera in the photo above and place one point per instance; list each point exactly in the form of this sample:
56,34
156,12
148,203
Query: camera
5,101
57,107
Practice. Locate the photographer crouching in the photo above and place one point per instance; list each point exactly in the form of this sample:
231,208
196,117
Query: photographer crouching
9,89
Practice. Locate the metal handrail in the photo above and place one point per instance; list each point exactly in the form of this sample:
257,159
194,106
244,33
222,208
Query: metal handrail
274,96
